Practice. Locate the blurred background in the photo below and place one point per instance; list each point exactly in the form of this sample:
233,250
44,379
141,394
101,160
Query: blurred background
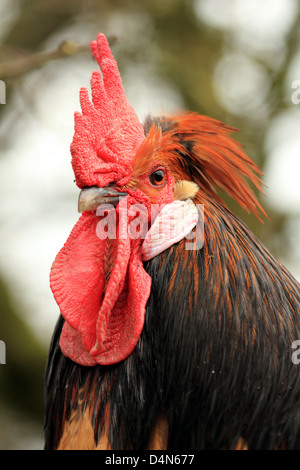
235,60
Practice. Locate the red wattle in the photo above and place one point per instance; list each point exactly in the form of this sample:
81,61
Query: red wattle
102,289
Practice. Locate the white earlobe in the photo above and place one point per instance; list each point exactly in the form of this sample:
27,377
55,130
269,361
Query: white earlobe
174,222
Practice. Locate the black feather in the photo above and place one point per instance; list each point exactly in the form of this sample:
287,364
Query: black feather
214,357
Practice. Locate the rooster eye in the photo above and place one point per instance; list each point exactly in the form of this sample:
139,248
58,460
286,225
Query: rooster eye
157,178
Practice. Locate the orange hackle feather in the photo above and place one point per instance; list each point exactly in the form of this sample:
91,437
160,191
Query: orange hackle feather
201,149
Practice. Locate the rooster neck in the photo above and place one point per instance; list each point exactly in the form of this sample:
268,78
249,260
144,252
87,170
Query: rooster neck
209,342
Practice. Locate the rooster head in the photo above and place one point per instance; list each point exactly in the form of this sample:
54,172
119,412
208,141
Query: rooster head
137,189
99,281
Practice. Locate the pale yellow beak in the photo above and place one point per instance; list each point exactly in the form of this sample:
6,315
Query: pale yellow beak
90,198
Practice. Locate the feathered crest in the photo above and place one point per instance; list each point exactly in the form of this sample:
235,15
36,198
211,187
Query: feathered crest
206,152
108,130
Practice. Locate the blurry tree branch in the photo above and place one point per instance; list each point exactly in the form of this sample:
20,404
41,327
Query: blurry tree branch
22,65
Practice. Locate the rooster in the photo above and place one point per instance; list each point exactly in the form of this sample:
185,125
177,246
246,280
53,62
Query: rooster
167,339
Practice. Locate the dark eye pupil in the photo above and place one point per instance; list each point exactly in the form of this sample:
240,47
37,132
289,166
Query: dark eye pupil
158,176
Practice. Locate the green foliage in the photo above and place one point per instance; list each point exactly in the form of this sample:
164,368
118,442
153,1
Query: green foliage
21,378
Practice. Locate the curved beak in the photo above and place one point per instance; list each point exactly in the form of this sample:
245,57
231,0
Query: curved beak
90,198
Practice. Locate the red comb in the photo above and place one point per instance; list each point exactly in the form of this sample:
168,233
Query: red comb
108,131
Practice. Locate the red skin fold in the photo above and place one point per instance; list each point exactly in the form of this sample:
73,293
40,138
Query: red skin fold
99,285
103,322
107,131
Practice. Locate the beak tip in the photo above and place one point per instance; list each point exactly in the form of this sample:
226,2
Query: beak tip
80,207
90,198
